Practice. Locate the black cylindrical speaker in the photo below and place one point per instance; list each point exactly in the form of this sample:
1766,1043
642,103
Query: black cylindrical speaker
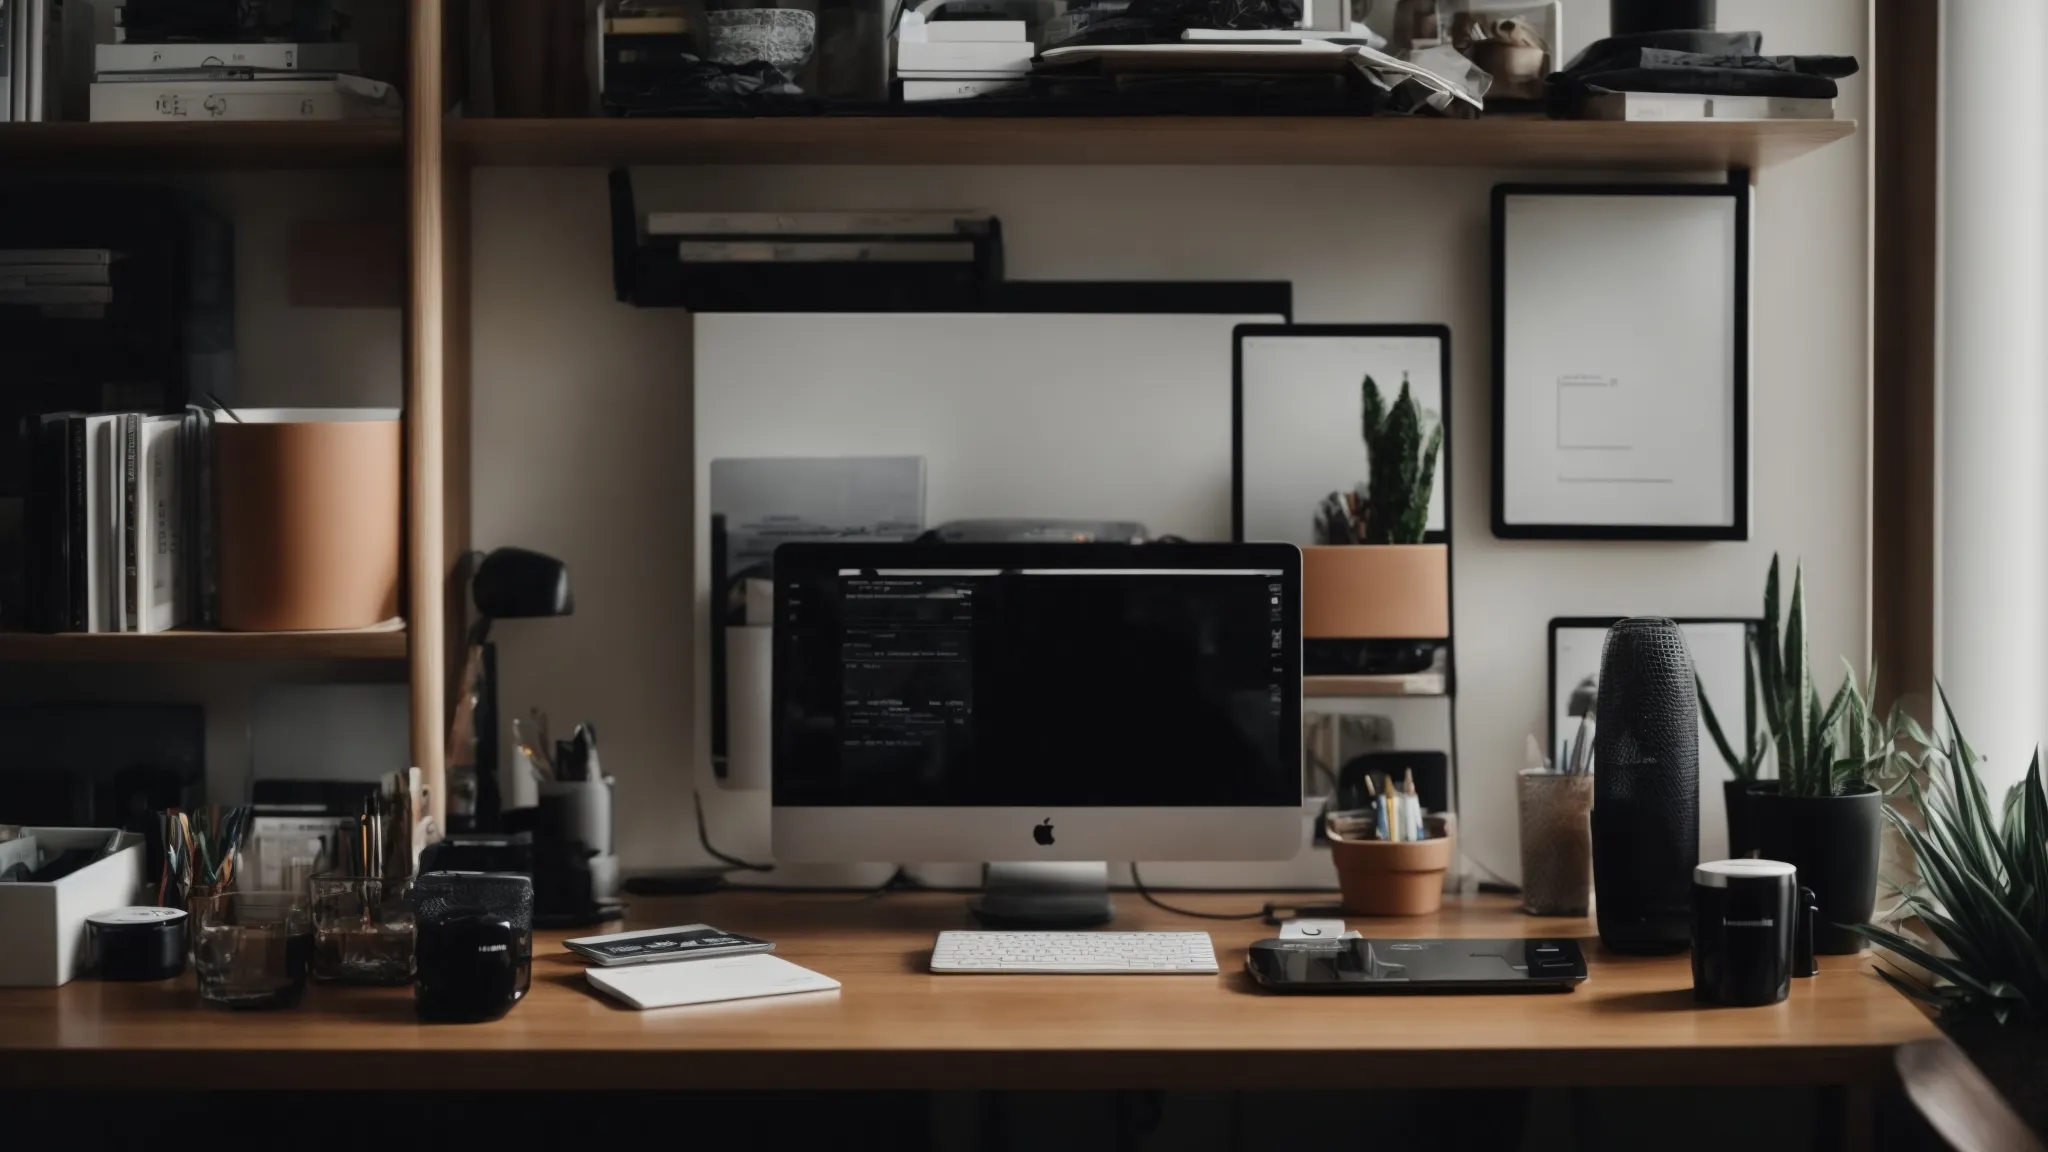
1646,788
1627,17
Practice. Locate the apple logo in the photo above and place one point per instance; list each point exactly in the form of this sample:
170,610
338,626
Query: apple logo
1043,832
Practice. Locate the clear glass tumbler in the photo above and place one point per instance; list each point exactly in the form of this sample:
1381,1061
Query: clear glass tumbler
250,949
362,930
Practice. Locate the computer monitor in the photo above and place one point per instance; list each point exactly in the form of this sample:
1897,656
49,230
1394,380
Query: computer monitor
1009,703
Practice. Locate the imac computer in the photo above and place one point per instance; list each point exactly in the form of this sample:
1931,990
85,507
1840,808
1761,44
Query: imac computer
1040,708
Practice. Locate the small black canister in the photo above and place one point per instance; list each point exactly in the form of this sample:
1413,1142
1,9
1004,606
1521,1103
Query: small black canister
137,943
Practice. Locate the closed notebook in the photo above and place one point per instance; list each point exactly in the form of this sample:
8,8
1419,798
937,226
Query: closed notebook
708,981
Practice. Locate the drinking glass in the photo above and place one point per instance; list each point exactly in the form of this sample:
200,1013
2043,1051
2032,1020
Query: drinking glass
250,949
362,930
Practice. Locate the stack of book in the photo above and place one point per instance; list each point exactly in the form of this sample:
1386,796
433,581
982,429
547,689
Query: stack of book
166,66
961,59
112,511
62,283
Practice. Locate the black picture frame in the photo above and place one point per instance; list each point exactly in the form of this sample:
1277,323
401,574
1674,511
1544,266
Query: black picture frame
1752,625
1441,333
1736,188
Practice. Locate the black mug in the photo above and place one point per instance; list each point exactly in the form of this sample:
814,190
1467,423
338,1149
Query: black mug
1752,931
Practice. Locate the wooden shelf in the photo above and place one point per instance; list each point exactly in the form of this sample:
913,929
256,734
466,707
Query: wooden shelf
1419,684
202,144
1494,142
383,643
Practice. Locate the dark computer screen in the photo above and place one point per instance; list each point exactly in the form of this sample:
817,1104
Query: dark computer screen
1035,686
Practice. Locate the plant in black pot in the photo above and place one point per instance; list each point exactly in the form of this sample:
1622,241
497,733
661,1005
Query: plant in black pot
1835,759
1981,907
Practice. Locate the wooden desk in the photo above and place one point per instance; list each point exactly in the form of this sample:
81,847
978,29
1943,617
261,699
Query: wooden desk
894,1025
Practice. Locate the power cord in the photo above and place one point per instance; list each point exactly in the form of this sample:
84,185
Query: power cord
1138,882
704,840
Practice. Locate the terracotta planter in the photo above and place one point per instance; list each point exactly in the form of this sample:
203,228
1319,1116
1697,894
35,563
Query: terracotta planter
1376,592
308,511
1384,878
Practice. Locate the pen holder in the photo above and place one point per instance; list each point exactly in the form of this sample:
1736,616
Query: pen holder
1393,878
1557,843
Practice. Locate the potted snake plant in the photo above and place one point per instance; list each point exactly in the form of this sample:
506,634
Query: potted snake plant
1972,933
1835,759
1370,576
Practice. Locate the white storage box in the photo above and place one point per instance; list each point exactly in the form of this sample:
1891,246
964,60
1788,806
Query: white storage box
42,926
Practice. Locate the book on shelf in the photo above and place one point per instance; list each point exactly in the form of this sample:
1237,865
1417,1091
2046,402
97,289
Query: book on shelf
917,90
337,56
1688,106
339,97
106,525
35,256
55,293
48,275
949,58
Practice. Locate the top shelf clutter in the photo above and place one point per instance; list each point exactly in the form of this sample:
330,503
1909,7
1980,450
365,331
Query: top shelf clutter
1493,142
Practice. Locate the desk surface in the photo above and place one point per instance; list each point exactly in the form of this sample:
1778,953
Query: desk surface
894,1025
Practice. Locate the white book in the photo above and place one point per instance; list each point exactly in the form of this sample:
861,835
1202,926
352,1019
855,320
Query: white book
1282,35
160,532
708,981
1687,106
339,98
58,294
336,57
43,275
912,56
963,74
782,251
915,91
875,223
974,31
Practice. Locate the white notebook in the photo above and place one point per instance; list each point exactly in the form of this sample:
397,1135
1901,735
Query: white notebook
707,981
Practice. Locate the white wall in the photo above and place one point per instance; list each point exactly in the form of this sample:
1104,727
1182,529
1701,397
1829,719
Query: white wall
583,409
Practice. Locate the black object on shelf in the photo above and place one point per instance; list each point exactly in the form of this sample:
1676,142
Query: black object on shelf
652,274
1628,17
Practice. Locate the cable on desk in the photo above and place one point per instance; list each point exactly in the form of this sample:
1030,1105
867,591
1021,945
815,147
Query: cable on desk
704,840
1138,882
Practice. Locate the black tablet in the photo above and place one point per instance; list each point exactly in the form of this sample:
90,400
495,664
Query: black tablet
1355,965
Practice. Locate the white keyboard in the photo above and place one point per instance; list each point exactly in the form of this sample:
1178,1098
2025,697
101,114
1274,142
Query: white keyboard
1139,952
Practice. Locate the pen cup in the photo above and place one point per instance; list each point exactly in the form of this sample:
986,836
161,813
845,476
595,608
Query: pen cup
1391,877
250,949
362,930
1557,843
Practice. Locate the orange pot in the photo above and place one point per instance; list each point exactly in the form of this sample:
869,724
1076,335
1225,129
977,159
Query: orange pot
1376,592
1385,878
307,518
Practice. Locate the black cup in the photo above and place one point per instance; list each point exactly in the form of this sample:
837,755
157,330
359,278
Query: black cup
1752,931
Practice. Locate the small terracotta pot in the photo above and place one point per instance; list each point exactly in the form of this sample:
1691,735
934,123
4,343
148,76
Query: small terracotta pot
1376,592
1385,878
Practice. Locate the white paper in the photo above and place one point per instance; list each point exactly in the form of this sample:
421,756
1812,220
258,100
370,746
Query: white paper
1619,357
1303,422
708,981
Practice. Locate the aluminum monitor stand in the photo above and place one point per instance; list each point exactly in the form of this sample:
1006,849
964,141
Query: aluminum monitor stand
1043,896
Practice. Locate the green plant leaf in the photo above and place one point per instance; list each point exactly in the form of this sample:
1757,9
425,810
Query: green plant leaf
1736,764
1753,752
1798,687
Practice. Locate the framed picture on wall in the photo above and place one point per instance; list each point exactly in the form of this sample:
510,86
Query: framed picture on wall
1298,411
1621,361
1717,645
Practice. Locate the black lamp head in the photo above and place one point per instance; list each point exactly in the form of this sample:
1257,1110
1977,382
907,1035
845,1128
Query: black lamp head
514,583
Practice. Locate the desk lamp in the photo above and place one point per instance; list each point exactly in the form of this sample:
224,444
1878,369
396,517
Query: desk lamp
510,584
